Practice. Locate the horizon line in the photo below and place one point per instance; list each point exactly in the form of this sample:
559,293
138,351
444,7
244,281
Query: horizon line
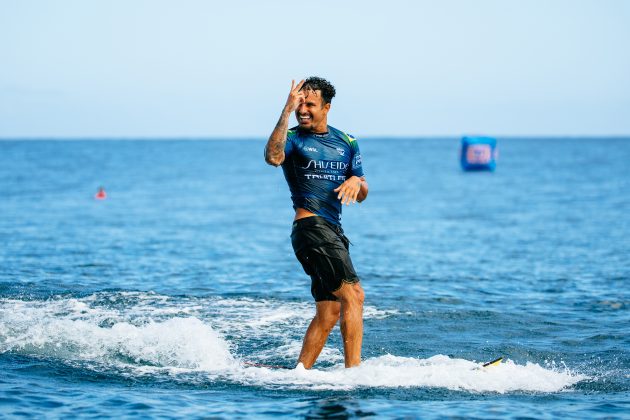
261,138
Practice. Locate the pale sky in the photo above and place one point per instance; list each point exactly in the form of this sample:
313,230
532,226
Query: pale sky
186,68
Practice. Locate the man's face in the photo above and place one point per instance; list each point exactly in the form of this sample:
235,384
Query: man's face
311,114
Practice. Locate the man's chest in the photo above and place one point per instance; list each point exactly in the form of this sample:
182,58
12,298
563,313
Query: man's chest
323,155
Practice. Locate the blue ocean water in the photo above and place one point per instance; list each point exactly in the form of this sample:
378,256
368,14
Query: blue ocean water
149,303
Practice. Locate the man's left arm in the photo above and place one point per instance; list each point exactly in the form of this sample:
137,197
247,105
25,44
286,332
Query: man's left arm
355,187
352,190
363,191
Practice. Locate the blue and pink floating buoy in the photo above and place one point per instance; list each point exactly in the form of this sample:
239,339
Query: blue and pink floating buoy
479,153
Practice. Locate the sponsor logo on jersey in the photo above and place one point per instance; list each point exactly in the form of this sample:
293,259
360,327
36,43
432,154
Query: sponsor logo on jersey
326,164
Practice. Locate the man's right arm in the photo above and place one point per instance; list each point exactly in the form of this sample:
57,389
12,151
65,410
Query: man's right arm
274,150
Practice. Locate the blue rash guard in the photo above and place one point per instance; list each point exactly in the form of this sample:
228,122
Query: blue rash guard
316,164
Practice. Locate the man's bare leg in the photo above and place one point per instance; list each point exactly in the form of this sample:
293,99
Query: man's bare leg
351,296
326,316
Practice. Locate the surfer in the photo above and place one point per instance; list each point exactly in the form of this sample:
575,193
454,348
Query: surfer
322,166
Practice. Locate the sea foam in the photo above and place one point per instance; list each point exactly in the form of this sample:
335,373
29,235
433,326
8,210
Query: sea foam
439,371
147,334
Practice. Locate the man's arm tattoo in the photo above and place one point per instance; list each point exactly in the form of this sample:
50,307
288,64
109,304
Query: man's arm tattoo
274,151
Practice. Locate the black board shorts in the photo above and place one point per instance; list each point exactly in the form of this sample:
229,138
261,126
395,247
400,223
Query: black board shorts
323,251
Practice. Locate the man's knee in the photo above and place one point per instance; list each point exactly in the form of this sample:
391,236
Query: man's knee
360,294
328,317
352,294
328,320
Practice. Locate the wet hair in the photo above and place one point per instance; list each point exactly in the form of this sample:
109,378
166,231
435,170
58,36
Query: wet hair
323,85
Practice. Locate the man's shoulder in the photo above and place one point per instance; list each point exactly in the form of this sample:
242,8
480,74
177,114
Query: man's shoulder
348,138
292,132
344,138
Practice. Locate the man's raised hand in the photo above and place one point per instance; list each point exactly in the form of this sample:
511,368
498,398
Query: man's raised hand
296,97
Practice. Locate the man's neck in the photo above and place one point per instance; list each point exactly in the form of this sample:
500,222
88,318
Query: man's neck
320,129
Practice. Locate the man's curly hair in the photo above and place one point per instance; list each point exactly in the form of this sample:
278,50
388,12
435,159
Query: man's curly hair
323,85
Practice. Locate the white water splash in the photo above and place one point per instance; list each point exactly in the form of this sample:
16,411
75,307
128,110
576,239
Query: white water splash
438,372
71,330
148,334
